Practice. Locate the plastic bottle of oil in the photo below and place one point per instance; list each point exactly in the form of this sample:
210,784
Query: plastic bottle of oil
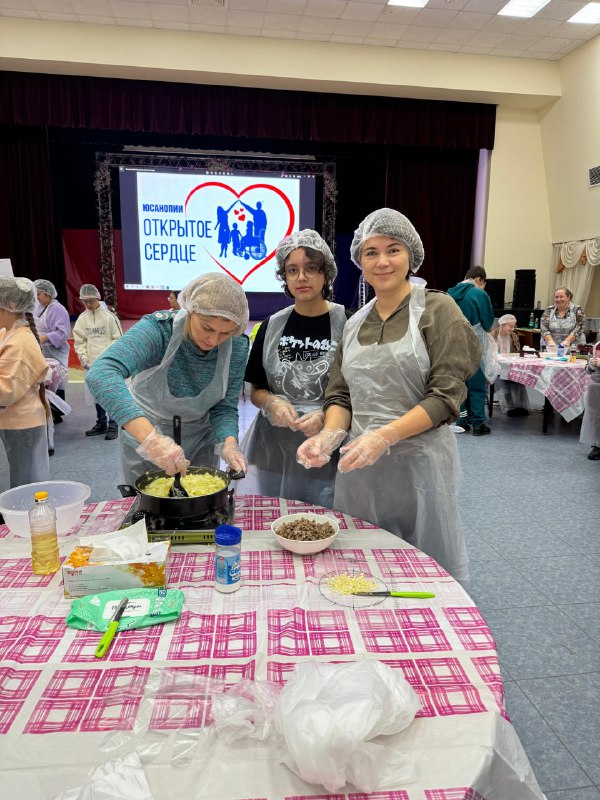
44,542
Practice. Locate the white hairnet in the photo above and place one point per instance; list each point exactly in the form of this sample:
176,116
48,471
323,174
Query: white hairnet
507,318
216,295
16,294
307,238
88,292
388,222
46,286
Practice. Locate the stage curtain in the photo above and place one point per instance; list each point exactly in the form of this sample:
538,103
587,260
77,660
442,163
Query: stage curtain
175,108
27,232
436,190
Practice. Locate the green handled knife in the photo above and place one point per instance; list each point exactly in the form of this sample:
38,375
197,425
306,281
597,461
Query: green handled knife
106,640
419,595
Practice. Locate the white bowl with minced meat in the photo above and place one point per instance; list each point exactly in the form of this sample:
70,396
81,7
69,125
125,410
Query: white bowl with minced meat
305,533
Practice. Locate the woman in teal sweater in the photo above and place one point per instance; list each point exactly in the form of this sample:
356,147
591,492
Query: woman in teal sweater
191,365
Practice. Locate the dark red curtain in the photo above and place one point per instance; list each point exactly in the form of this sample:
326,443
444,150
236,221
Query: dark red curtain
27,231
420,156
436,191
182,108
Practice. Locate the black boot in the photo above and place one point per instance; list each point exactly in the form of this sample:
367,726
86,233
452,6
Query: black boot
98,430
594,454
113,430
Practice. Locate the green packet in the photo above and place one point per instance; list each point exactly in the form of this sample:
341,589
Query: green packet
145,607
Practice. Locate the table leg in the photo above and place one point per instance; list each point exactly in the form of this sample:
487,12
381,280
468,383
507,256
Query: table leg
546,415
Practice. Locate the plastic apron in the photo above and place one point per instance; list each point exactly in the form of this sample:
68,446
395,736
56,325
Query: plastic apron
60,353
271,451
412,491
561,327
590,424
150,390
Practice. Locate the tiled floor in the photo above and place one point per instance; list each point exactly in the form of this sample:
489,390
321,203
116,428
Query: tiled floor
531,509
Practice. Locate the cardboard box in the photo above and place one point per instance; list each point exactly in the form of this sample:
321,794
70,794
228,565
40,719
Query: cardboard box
82,576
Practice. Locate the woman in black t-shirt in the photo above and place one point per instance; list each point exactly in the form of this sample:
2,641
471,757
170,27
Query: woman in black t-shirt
288,370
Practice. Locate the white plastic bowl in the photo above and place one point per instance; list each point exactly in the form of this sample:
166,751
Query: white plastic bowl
67,497
305,548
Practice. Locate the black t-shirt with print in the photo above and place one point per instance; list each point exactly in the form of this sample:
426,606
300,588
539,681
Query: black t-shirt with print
302,339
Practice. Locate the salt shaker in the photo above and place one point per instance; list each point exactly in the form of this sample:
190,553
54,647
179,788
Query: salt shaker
228,550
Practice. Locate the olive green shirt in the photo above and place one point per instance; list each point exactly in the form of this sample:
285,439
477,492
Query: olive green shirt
453,347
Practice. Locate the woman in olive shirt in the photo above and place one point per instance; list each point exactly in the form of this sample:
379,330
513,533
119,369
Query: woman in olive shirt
398,378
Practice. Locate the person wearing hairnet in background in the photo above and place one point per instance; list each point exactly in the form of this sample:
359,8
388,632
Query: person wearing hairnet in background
191,365
512,396
288,369
397,380
93,333
54,328
23,407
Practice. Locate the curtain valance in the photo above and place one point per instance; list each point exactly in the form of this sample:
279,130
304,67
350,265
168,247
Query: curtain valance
179,108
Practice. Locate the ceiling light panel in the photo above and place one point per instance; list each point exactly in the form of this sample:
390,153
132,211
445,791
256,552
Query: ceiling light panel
522,8
588,15
408,3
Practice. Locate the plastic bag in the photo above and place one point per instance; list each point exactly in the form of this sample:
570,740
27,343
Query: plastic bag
247,710
328,714
145,607
122,779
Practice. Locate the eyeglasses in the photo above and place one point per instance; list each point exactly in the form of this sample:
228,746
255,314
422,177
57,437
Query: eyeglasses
310,271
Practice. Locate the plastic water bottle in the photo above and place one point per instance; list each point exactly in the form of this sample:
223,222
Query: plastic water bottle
44,542
228,551
560,351
532,320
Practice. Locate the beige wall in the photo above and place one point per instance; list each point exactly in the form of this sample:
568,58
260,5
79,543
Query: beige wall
518,220
571,141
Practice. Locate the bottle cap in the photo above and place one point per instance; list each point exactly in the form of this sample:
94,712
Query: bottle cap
227,535
40,496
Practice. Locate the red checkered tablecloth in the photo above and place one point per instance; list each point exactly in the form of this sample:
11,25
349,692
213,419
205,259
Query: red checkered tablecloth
563,383
63,712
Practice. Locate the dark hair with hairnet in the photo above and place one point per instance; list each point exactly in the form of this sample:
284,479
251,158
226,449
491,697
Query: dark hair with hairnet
316,249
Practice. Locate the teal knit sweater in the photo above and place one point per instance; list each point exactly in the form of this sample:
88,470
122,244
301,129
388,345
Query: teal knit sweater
143,347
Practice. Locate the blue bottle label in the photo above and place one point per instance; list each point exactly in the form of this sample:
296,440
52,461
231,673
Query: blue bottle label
227,569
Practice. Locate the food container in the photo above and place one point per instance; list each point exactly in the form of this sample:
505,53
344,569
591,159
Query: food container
66,497
301,547
82,577
181,507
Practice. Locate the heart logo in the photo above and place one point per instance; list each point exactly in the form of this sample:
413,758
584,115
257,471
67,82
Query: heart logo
257,243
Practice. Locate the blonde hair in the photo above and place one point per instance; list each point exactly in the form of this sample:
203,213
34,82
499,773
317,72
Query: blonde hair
187,334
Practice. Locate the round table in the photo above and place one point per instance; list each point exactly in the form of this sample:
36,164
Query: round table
64,713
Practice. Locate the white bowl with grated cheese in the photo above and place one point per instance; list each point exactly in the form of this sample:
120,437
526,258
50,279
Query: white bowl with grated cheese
300,546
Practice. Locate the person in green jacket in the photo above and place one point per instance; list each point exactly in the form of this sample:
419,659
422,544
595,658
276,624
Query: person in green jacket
476,305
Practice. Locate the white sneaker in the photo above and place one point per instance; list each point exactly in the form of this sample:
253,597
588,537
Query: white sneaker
456,429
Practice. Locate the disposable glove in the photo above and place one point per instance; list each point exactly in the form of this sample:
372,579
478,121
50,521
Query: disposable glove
163,452
232,455
366,449
311,423
280,412
316,451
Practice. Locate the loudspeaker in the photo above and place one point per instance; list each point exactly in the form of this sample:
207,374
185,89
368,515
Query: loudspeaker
524,288
495,288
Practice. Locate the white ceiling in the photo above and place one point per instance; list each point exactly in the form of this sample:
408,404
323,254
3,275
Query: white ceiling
465,26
